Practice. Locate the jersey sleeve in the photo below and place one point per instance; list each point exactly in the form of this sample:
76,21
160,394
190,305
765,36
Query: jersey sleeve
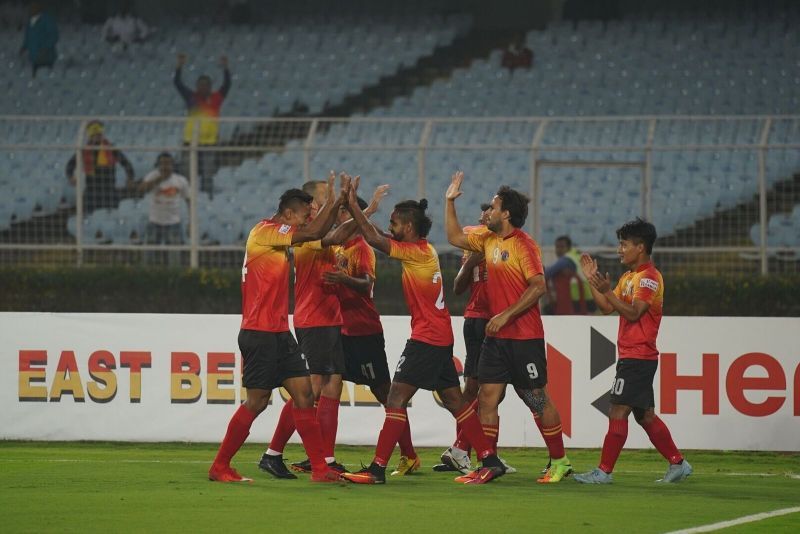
405,251
476,241
646,287
273,235
530,260
313,245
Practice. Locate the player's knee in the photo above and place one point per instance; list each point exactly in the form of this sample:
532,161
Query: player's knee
535,400
643,417
257,403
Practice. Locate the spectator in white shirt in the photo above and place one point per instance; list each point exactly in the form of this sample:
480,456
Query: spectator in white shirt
167,191
125,29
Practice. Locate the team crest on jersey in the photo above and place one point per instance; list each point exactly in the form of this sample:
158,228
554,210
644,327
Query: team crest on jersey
628,288
649,283
284,229
504,255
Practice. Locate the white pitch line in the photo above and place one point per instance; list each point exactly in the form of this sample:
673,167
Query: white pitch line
739,521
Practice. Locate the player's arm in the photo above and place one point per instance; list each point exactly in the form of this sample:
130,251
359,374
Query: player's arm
373,236
464,276
344,231
361,285
455,232
632,312
326,216
589,268
536,288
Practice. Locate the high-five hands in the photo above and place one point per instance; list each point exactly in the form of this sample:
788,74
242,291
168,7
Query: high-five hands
454,189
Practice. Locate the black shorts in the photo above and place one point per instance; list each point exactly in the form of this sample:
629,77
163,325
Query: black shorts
520,362
427,366
322,347
269,358
365,359
474,332
633,384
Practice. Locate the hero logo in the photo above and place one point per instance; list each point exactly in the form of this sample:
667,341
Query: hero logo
737,382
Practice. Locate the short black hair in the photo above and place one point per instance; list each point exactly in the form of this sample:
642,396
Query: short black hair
414,212
164,155
638,231
515,203
291,198
566,239
362,203
310,187
205,77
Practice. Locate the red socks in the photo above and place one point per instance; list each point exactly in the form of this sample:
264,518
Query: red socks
328,417
284,429
393,426
307,426
659,435
471,428
554,440
461,441
612,445
492,432
238,430
406,445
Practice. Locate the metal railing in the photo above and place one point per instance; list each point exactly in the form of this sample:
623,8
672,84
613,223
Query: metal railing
535,154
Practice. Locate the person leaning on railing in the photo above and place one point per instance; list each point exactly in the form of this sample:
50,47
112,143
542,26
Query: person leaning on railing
203,108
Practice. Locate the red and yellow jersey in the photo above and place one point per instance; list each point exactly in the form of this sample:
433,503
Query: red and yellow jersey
315,302
511,262
638,339
265,277
478,304
357,259
423,289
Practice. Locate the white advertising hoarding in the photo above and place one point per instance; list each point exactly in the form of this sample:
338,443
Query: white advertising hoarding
722,383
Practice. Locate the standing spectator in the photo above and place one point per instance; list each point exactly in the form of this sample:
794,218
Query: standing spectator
168,190
569,290
125,29
99,166
41,36
203,107
517,55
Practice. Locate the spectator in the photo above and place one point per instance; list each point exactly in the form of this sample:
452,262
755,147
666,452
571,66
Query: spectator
41,36
569,290
167,191
517,55
203,107
99,167
125,29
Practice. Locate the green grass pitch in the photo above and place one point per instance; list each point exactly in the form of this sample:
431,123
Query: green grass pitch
131,487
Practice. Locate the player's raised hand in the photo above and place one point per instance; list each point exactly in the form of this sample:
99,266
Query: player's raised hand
181,61
380,192
454,190
588,265
223,62
355,182
331,191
